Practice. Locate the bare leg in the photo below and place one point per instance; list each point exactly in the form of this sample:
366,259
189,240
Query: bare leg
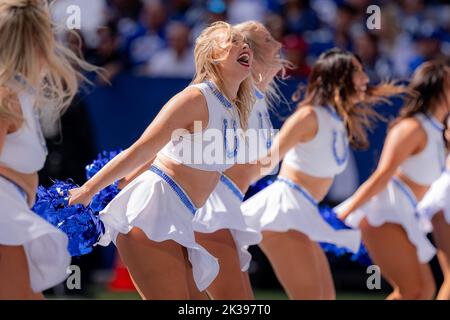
157,268
391,250
14,274
194,293
441,235
229,284
327,282
293,257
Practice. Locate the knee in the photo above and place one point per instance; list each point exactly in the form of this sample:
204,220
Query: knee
304,290
428,290
418,291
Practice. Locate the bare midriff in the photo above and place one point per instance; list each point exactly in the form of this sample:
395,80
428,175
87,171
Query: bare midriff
418,190
198,184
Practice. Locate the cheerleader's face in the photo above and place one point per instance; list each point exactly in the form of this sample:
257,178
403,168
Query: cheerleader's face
360,81
268,61
238,61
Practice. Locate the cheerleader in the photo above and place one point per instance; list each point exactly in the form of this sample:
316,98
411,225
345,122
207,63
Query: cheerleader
36,76
315,141
384,207
192,140
220,225
435,208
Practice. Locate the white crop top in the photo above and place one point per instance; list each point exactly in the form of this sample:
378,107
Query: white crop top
326,155
426,166
216,147
260,132
25,150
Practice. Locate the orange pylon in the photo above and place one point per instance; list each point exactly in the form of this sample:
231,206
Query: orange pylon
121,279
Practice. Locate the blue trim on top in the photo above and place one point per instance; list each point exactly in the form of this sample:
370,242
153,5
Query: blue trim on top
230,184
406,191
175,187
259,95
219,95
434,122
295,186
332,111
261,127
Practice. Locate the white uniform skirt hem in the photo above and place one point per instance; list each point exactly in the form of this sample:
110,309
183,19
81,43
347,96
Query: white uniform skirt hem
223,211
154,203
436,199
395,204
45,246
284,206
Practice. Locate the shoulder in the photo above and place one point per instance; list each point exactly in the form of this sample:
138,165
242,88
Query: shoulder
306,113
410,126
408,132
189,104
303,123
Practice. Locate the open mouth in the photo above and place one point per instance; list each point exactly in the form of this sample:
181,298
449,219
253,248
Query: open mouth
244,59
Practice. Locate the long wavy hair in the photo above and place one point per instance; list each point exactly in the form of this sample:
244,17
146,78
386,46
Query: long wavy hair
212,46
428,85
29,49
331,83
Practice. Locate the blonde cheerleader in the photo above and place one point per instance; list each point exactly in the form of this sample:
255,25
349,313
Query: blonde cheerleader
36,76
385,206
192,141
220,225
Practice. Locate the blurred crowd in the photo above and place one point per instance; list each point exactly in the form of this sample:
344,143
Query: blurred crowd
155,37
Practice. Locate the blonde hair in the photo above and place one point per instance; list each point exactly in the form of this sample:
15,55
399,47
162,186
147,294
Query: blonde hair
212,46
273,94
28,49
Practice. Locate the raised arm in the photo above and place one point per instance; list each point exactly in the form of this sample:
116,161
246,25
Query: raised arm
301,126
405,139
179,113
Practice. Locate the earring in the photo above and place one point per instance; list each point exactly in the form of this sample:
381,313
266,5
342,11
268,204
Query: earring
260,78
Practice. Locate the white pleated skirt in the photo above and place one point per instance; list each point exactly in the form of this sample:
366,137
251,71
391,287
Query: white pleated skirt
395,204
436,199
223,211
156,204
45,246
284,206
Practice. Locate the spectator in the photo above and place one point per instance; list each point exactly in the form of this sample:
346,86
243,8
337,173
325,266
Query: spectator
276,26
244,10
296,51
149,37
299,16
345,19
428,44
178,59
395,43
376,65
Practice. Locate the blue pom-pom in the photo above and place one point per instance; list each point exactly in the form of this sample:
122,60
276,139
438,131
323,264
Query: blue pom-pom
362,256
101,199
81,225
102,159
259,185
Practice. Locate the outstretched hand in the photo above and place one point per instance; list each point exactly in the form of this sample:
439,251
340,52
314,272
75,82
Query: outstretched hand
80,196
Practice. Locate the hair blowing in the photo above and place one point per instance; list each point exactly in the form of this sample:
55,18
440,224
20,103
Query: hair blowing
28,49
331,83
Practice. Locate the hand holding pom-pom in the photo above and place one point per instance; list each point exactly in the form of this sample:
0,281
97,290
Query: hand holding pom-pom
80,195
81,225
